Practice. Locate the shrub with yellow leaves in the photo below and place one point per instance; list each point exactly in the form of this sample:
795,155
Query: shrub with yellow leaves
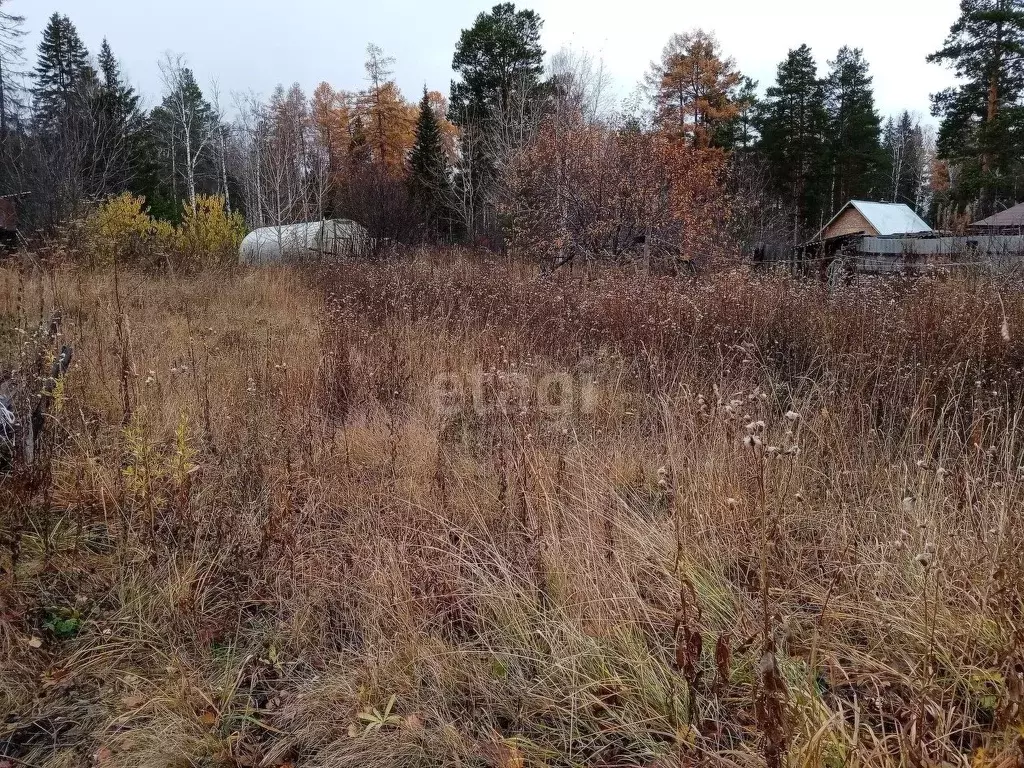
122,229
208,234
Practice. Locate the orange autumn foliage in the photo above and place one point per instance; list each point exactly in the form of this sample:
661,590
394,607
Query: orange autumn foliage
692,87
591,190
382,118
389,122
332,113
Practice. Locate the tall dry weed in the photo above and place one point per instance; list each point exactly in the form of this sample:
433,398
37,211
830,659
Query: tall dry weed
725,520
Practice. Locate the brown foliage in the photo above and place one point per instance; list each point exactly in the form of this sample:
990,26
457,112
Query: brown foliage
289,554
590,190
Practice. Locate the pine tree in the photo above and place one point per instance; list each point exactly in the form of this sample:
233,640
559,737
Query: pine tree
792,121
428,171
855,158
499,55
739,133
499,60
11,59
981,126
63,75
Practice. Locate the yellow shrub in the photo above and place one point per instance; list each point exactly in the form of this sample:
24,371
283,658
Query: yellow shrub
208,234
122,229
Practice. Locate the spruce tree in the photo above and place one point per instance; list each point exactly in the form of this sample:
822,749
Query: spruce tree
109,69
981,124
120,99
428,172
792,120
63,74
855,158
123,123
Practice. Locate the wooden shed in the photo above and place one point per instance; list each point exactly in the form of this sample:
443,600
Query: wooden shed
8,222
859,217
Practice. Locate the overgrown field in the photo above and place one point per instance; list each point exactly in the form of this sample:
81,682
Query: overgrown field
449,512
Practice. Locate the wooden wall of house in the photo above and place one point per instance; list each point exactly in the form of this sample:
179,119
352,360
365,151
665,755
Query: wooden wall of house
849,222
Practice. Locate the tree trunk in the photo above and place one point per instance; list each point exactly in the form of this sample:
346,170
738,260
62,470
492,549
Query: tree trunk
991,114
224,171
3,104
190,171
174,169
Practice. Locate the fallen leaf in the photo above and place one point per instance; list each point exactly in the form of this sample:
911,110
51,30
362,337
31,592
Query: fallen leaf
35,642
510,757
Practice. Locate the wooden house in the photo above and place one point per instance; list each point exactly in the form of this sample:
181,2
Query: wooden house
859,217
836,245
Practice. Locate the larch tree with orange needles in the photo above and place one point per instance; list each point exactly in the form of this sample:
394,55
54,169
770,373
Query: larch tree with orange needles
692,87
331,114
388,119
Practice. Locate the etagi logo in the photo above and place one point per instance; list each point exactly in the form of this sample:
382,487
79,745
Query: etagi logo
554,394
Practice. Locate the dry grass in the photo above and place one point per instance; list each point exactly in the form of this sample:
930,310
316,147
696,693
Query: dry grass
267,545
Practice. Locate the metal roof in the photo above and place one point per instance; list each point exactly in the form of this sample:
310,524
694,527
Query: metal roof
1011,217
886,218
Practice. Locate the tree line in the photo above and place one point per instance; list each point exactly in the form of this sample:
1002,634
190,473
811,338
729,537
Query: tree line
523,152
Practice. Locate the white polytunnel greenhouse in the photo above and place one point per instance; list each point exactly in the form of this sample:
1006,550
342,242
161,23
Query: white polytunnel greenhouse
326,240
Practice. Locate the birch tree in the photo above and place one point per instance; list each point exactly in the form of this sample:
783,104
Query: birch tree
286,161
189,123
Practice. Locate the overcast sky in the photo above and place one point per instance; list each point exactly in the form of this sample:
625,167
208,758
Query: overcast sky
252,45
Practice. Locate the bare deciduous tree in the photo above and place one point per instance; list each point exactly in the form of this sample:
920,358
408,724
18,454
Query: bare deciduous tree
11,59
285,163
